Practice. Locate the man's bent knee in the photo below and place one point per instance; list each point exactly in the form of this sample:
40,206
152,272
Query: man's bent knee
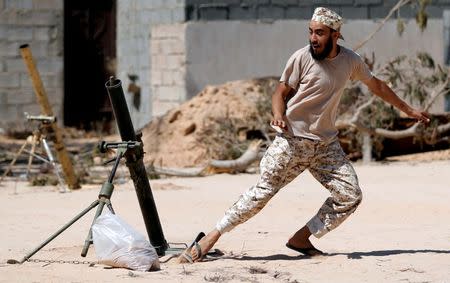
351,199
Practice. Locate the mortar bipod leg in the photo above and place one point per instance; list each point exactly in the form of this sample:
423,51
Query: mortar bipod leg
89,239
104,198
62,229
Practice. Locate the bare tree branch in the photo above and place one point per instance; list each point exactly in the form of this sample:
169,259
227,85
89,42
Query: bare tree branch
443,128
214,166
392,11
398,134
247,158
179,172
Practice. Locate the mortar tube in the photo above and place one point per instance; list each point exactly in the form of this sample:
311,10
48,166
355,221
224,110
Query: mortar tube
135,164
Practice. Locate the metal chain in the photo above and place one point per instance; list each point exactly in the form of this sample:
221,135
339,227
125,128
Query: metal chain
48,261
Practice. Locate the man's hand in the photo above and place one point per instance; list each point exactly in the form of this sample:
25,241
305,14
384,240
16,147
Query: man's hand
420,116
279,107
279,122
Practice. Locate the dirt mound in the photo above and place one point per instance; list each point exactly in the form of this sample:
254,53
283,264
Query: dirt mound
217,123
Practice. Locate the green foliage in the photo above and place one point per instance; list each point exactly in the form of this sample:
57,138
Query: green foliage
422,16
351,94
425,60
412,78
419,6
400,26
379,115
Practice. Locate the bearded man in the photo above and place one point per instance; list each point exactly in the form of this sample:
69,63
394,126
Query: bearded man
307,138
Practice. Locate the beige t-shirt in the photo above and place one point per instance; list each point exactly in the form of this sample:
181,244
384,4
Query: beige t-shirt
311,112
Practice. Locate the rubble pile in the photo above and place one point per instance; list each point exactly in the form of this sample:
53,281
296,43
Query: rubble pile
217,123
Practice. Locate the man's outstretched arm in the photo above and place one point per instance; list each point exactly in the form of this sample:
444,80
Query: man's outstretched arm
279,104
382,90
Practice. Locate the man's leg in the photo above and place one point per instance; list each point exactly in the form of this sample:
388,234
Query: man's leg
335,172
280,165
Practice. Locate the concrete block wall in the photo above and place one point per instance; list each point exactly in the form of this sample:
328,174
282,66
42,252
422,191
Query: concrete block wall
40,24
168,69
207,10
135,19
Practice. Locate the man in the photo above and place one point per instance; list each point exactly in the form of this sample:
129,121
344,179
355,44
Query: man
317,74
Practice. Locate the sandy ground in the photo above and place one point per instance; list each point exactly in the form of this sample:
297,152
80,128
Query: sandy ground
400,233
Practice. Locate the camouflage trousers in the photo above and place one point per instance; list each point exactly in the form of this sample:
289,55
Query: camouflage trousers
284,160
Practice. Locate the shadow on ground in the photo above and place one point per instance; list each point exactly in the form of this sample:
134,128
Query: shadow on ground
353,255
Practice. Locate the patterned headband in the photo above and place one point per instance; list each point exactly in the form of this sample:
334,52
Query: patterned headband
328,17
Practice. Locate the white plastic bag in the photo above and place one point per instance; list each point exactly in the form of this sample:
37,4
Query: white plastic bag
117,244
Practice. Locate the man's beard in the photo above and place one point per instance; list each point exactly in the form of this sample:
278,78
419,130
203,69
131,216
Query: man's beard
326,51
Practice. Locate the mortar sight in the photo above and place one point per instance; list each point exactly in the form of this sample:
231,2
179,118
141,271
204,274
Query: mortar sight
41,118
